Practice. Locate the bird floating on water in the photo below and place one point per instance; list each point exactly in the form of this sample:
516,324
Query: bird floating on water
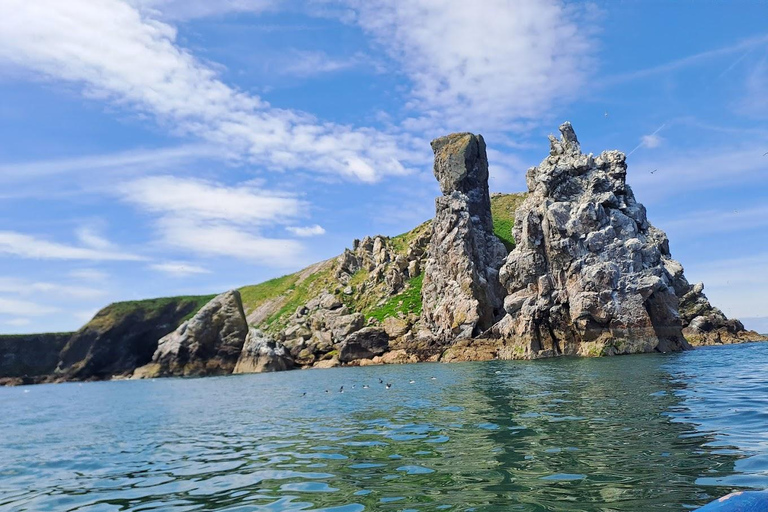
341,389
433,378
381,381
412,381
365,386
304,394
389,385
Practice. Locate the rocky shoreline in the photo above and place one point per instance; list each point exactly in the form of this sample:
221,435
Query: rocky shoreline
588,275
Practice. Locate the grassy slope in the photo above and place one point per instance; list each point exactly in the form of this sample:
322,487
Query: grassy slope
289,292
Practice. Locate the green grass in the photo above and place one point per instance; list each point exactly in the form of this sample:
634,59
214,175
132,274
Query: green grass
300,293
406,302
255,295
148,307
401,242
503,211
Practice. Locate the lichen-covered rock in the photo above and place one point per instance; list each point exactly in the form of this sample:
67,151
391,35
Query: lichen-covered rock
209,343
588,273
364,344
262,354
461,293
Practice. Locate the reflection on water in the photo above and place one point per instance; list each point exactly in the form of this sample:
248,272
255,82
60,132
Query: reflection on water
620,434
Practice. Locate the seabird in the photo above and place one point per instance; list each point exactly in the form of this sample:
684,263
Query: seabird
606,113
304,394
341,389
326,390
381,381
765,154
389,385
498,371
433,378
653,171
412,381
365,386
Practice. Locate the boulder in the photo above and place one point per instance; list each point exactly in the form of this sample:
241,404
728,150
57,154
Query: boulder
461,293
395,327
343,326
588,275
364,344
262,354
209,343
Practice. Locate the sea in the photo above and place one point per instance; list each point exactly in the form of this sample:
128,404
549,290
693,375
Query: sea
633,433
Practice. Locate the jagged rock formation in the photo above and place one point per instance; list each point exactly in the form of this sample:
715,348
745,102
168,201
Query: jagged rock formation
461,294
120,338
209,343
262,354
704,324
588,275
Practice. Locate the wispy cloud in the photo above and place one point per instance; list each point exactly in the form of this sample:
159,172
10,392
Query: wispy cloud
179,268
306,231
718,221
23,308
56,39
143,160
89,274
22,287
31,247
688,61
313,63
215,220
490,63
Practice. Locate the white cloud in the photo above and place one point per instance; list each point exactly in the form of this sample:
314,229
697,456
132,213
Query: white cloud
223,239
22,287
28,246
23,308
651,141
91,238
315,230
186,9
484,64
203,200
106,46
211,219
179,268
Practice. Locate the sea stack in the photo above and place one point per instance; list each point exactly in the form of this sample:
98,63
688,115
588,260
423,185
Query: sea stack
589,274
461,294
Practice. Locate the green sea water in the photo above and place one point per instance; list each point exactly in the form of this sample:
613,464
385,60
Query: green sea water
634,433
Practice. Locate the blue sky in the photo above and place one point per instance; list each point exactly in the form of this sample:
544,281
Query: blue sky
162,147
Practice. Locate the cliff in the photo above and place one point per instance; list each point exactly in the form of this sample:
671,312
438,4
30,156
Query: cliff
27,358
572,267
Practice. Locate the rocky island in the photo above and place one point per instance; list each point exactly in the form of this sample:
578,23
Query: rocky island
572,267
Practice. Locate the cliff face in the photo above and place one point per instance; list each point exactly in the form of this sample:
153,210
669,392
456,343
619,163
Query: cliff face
25,358
121,337
461,295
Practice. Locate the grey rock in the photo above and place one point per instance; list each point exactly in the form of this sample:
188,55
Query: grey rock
589,275
262,354
344,325
364,344
461,293
208,344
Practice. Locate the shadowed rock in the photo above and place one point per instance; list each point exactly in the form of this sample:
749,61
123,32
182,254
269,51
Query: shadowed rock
461,293
208,344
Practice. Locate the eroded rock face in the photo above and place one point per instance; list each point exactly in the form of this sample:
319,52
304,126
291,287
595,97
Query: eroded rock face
461,293
589,273
262,354
364,344
209,343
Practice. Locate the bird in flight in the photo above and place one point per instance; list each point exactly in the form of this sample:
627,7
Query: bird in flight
765,154
653,171
606,114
